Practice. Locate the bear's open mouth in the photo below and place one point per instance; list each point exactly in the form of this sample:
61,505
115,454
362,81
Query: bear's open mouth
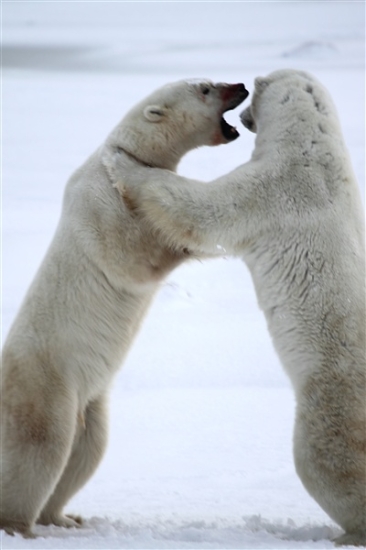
232,95
229,132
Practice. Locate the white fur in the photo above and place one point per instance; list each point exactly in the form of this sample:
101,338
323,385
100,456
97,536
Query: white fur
293,212
84,308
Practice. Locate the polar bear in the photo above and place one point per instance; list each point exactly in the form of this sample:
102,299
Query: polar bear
294,214
86,304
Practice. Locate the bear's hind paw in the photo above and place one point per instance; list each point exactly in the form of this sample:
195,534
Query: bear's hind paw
351,539
69,521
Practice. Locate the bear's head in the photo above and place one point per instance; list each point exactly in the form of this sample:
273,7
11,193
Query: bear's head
177,118
282,98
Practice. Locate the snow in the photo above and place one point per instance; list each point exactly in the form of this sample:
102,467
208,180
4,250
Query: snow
201,414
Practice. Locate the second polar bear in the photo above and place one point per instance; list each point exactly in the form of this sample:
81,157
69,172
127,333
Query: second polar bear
86,303
294,214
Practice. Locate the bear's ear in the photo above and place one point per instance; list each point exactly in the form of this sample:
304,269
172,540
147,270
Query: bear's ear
154,113
261,83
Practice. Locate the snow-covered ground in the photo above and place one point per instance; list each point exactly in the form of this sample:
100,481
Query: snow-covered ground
201,414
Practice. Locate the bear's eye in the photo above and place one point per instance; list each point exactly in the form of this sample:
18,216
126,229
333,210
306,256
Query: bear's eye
205,90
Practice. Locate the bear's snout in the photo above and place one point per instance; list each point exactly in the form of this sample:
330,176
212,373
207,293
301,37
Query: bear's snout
232,94
247,119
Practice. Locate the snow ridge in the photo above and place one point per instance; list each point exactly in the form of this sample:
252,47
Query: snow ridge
249,532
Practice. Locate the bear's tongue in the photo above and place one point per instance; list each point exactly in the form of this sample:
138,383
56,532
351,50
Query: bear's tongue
229,132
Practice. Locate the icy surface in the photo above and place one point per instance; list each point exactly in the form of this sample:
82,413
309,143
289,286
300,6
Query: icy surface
201,414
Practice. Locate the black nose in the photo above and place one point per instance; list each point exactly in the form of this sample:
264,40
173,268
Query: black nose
240,90
235,94
243,91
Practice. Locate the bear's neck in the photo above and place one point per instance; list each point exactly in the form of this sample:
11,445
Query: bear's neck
134,157
156,154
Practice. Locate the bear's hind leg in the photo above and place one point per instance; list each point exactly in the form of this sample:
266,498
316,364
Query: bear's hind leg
36,443
87,452
331,466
